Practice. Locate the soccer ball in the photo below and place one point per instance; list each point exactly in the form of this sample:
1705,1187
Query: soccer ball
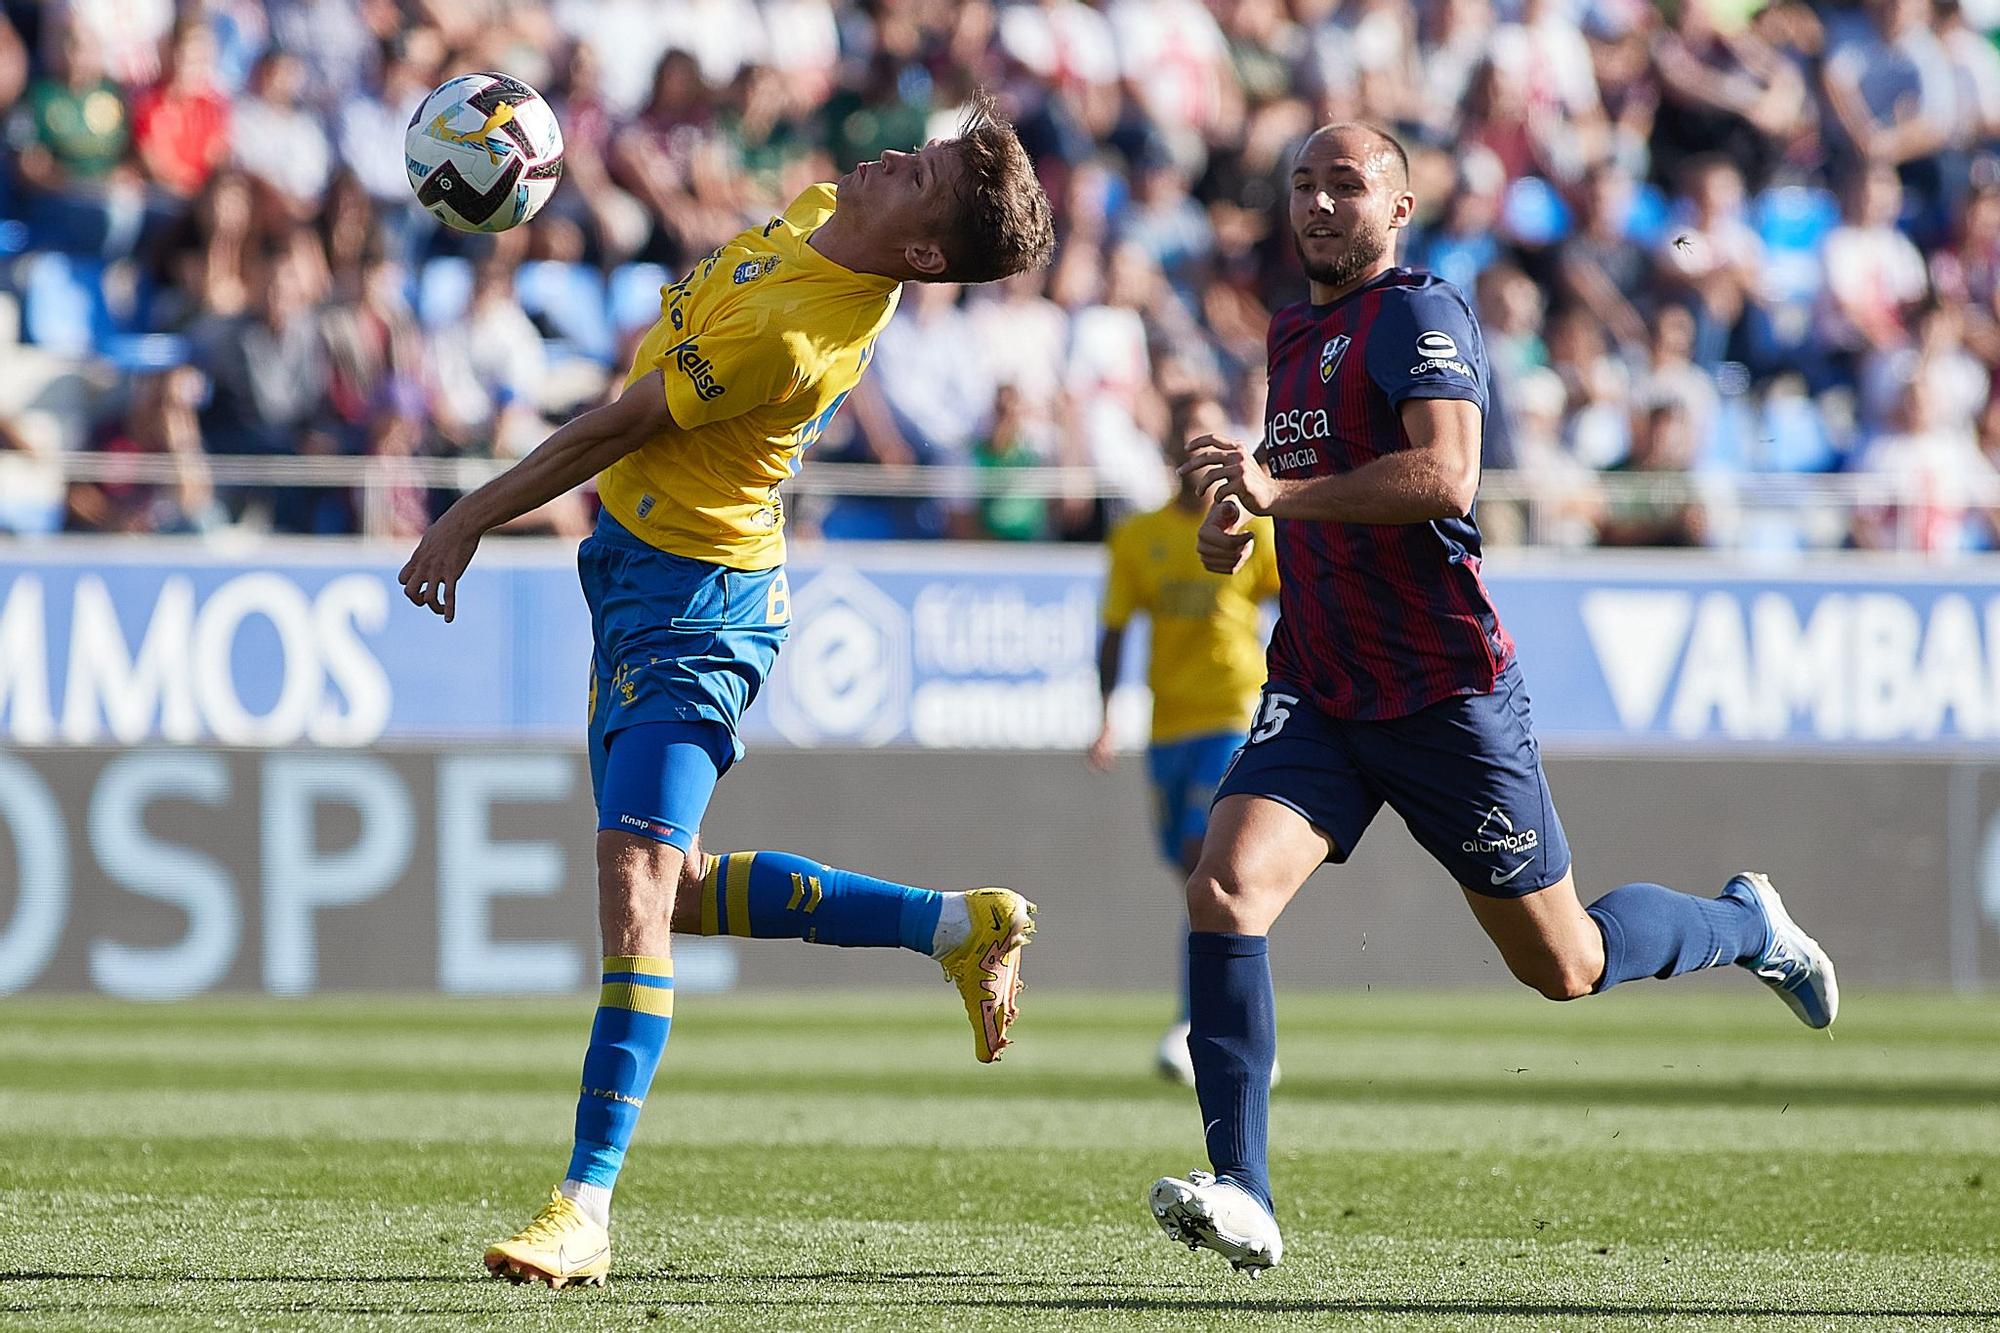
484,152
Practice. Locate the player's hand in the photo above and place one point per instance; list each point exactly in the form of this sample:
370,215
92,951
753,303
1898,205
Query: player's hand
1229,469
1101,756
431,576
1224,539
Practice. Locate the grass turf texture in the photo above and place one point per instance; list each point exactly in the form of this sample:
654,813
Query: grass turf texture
839,1162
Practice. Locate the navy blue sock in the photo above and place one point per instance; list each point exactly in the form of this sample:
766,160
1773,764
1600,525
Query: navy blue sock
1233,1039
1652,931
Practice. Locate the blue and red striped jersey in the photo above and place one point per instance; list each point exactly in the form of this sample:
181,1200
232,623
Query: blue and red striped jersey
1376,620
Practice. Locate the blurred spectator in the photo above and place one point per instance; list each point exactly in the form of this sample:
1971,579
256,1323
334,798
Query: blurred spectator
1712,257
268,366
1669,375
1464,242
616,224
1874,273
1598,265
31,488
127,34
938,397
1723,92
1956,383
336,48
279,141
70,136
1014,440
1596,386
371,122
161,420
1025,336
490,366
1660,509
669,159
1966,273
1946,492
1567,501
1894,99
181,124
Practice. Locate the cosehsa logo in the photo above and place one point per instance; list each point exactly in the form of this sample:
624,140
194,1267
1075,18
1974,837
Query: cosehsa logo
1438,352
1436,345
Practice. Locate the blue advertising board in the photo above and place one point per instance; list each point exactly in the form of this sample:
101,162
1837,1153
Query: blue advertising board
939,646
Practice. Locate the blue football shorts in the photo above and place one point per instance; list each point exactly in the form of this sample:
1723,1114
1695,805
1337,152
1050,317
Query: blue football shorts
1185,774
680,647
1465,774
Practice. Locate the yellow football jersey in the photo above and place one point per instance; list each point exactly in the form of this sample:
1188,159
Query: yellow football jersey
1207,662
758,346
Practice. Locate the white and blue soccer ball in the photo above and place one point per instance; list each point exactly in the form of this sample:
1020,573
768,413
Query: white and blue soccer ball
484,152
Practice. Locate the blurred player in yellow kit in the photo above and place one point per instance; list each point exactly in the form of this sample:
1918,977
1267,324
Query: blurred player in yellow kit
1206,663
753,354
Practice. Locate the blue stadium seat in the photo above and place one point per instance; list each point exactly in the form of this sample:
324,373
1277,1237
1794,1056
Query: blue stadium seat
1646,219
568,300
635,295
444,290
1534,212
63,306
1794,217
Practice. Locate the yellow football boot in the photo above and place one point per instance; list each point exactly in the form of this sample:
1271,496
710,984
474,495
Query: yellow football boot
561,1247
986,968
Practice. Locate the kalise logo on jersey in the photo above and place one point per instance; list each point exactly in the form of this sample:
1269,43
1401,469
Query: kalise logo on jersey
699,370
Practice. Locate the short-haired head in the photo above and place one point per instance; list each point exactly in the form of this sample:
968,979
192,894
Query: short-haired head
1349,195
1002,224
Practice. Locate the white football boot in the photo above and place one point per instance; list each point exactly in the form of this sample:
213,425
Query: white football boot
1793,964
1174,1062
1202,1212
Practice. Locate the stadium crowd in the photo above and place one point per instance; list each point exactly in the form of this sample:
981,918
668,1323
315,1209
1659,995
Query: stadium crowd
1709,240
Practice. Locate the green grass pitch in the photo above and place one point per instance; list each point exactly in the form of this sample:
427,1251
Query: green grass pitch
819,1161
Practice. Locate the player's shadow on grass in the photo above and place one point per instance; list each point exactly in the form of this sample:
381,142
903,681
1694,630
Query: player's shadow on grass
1496,1309
220,1279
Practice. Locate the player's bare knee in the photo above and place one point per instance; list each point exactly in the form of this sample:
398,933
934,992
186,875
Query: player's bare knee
1219,898
1557,978
636,877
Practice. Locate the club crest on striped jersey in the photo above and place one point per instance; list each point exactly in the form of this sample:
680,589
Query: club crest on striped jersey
1330,355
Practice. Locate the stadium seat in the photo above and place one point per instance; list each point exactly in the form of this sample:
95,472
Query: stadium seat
635,295
1646,218
568,301
1534,212
64,306
444,290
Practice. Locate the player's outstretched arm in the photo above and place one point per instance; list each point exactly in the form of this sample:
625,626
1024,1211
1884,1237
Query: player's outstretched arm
579,449
1436,477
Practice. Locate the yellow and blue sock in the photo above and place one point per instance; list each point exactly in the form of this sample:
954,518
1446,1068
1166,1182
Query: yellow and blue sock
1652,931
1233,1041
635,1011
775,895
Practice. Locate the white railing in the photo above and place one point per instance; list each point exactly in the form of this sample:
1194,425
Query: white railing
1818,510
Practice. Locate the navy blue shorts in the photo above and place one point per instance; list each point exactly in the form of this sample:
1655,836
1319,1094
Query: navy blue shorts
1465,774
